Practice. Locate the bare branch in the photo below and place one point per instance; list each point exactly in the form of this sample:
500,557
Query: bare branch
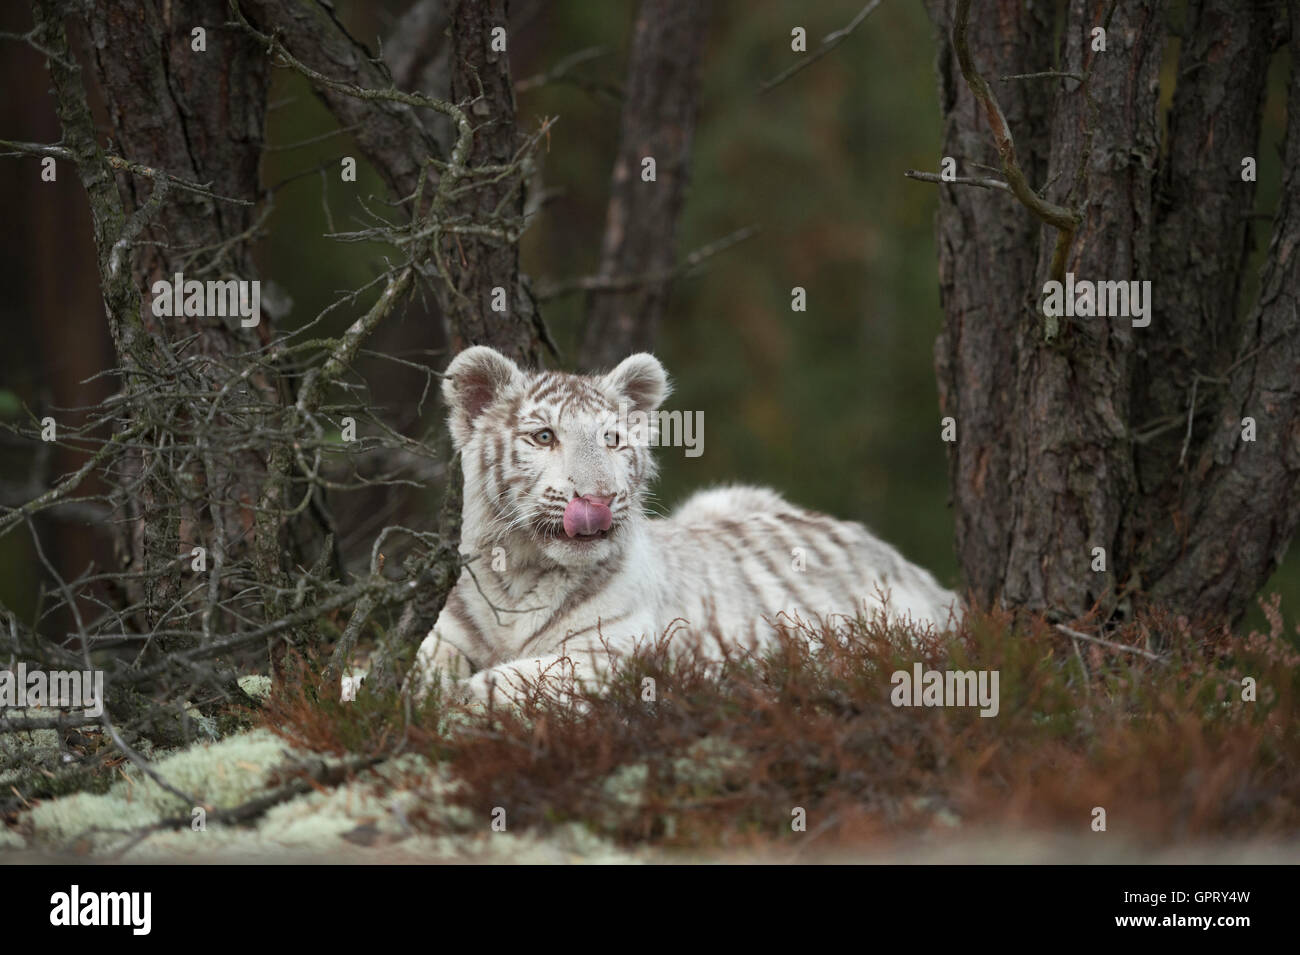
957,180
70,483
829,42
1066,220
1109,643
1045,74
547,291
562,72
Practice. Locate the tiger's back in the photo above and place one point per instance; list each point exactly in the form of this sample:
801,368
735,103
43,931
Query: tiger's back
736,558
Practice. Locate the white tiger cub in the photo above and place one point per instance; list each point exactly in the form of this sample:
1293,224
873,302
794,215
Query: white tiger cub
565,571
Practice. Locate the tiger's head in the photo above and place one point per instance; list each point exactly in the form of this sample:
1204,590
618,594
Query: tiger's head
552,472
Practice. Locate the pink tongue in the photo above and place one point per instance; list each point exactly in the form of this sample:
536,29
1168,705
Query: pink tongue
586,517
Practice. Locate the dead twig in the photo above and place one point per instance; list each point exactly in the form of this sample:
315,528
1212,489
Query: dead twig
829,42
1069,632
1063,219
545,291
983,183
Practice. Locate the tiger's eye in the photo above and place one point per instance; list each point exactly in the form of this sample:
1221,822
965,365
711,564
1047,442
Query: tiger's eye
613,440
545,436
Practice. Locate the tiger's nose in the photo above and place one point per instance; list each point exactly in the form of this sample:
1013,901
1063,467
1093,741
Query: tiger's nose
604,500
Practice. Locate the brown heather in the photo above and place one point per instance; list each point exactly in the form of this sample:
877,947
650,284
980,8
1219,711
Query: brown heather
721,759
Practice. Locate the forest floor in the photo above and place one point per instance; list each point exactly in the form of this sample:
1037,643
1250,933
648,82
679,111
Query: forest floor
1160,744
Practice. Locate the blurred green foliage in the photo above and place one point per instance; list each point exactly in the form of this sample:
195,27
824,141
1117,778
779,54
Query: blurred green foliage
835,406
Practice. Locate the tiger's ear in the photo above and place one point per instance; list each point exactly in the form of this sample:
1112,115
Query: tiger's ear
472,383
640,380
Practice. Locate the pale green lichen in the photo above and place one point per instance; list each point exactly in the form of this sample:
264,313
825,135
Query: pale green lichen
373,808
709,763
255,685
96,821
18,750
624,793
222,774
941,814
225,773
570,843
10,839
380,802
705,769
367,818
22,753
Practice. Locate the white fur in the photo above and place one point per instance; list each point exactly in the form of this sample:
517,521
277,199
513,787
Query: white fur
712,572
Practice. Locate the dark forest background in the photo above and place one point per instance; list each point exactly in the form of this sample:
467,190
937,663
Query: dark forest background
835,406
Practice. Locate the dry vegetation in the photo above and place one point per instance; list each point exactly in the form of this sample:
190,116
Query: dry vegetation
1155,731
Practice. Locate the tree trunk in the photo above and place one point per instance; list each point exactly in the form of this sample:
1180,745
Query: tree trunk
1073,435
1215,522
481,264
641,222
198,115
987,260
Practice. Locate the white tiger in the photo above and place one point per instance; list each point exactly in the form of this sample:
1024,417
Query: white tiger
565,571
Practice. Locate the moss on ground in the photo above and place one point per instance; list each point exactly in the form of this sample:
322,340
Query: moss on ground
367,815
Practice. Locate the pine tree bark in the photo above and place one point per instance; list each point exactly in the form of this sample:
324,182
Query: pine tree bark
987,249
1071,458
481,264
640,238
198,115
1075,436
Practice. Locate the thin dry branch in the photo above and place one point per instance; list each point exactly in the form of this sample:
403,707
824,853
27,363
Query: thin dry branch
545,291
829,42
983,183
105,719
72,481
117,162
562,71
1069,632
1063,219
1045,74
313,776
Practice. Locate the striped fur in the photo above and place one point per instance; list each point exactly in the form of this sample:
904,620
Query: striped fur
533,601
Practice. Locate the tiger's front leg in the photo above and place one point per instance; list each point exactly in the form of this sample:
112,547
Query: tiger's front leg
551,677
438,662
584,667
